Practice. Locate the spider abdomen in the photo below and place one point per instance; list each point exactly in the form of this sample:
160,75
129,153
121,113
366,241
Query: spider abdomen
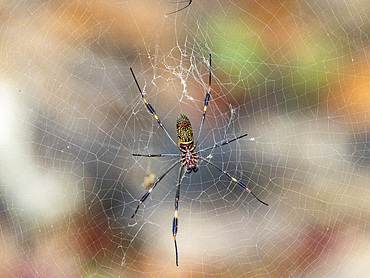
184,133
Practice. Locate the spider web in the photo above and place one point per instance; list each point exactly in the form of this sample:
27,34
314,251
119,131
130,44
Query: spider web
293,75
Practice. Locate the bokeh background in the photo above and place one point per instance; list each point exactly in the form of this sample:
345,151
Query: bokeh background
294,75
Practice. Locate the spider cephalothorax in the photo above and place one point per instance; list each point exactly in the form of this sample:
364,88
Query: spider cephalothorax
189,157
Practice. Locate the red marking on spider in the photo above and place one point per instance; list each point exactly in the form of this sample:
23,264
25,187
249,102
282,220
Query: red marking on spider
184,123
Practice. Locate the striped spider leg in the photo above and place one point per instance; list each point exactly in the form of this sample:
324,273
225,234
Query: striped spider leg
206,100
189,157
150,108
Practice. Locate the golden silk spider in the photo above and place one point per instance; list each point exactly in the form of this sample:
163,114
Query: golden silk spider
189,157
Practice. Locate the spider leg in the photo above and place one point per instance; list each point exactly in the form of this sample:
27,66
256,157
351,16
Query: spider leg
154,185
221,144
189,2
235,180
150,108
206,100
175,218
156,155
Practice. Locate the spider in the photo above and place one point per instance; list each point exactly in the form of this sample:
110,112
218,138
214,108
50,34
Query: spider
189,157
187,5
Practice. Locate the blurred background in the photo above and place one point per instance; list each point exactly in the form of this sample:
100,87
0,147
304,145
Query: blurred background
294,75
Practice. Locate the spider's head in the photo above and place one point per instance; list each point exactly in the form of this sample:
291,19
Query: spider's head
191,163
194,169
